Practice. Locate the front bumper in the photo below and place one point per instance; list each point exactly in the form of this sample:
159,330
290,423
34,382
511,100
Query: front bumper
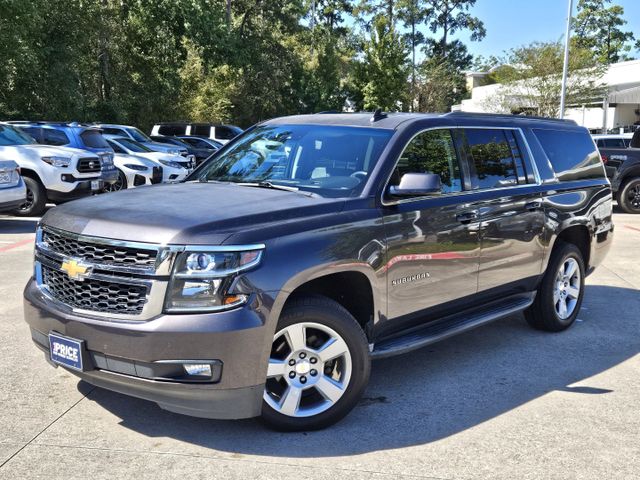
238,339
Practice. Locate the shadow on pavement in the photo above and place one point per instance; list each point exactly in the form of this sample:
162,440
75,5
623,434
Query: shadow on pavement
13,226
433,393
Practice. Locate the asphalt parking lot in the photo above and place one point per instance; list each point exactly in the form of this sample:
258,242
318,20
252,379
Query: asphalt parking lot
502,401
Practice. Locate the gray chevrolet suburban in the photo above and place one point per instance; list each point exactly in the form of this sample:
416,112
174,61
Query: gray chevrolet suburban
265,283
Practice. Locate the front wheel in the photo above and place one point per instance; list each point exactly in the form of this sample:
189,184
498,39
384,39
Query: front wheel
36,200
560,293
119,184
318,367
629,196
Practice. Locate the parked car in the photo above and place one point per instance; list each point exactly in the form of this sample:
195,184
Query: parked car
134,171
266,282
199,153
622,164
621,140
13,193
215,131
51,174
133,133
74,135
201,142
174,167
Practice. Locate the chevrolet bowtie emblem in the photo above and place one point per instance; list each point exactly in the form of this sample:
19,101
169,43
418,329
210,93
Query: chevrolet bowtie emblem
75,269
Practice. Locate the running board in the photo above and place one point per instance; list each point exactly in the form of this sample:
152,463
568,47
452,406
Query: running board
449,326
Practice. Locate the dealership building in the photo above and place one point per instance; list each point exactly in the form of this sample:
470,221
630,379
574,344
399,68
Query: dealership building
618,111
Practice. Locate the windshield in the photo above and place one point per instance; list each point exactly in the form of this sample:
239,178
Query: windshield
133,146
13,136
137,135
332,161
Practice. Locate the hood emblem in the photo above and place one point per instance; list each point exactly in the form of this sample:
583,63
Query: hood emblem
75,270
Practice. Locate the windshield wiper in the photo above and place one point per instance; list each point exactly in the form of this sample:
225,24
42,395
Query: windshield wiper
275,186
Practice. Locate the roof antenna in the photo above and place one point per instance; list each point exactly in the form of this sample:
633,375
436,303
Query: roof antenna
378,115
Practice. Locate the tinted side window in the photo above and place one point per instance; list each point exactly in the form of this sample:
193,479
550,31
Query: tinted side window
572,154
114,131
197,143
54,137
225,133
492,163
172,130
35,132
432,151
204,130
614,143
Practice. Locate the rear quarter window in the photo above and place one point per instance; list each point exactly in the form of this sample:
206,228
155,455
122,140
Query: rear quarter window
172,130
572,154
93,139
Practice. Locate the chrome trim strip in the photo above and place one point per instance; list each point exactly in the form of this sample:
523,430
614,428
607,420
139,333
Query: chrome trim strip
223,248
463,192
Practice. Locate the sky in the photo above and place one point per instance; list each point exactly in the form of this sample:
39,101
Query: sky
513,23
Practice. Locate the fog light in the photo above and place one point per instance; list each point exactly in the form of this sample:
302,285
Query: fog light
199,369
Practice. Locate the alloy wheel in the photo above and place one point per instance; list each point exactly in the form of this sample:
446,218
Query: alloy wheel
566,291
633,196
309,370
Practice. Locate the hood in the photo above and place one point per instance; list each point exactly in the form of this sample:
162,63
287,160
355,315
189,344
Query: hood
124,158
163,147
36,150
164,156
185,213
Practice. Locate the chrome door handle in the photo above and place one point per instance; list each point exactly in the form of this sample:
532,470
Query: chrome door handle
533,206
466,217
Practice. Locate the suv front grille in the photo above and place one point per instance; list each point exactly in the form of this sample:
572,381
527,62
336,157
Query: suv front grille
89,165
95,295
99,253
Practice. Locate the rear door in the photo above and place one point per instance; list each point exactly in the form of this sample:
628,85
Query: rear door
432,242
509,209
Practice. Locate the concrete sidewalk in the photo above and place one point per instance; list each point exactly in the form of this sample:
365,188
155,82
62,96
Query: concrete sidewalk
503,401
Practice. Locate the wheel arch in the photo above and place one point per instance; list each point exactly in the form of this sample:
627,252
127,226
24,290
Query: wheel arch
578,235
352,286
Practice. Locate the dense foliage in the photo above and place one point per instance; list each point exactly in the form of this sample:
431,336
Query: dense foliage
141,61
240,61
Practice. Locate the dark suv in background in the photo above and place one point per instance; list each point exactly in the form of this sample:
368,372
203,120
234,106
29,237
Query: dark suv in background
266,283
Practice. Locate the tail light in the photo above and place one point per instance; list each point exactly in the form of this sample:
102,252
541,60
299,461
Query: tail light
605,159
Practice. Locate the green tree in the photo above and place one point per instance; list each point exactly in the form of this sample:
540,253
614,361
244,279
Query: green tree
532,82
383,73
599,28
450,16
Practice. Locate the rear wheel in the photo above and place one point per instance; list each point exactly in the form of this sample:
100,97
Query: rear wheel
318,367
36,200
629,196
560,293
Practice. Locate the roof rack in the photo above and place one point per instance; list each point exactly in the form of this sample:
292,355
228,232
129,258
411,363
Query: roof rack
505,115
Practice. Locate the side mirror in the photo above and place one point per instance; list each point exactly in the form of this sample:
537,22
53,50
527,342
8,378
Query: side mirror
416,185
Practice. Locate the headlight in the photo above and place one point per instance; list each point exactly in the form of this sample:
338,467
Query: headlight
140,168
57,161
201,280
173,152
170,163
107,159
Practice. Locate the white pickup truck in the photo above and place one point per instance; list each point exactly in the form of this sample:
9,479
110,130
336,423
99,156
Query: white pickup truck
51,174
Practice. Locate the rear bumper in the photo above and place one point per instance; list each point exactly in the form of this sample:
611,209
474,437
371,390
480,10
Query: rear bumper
237,339
12,197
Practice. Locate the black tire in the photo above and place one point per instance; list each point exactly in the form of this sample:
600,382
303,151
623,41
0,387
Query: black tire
543,314
629,196
324,311
36,199
119,184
